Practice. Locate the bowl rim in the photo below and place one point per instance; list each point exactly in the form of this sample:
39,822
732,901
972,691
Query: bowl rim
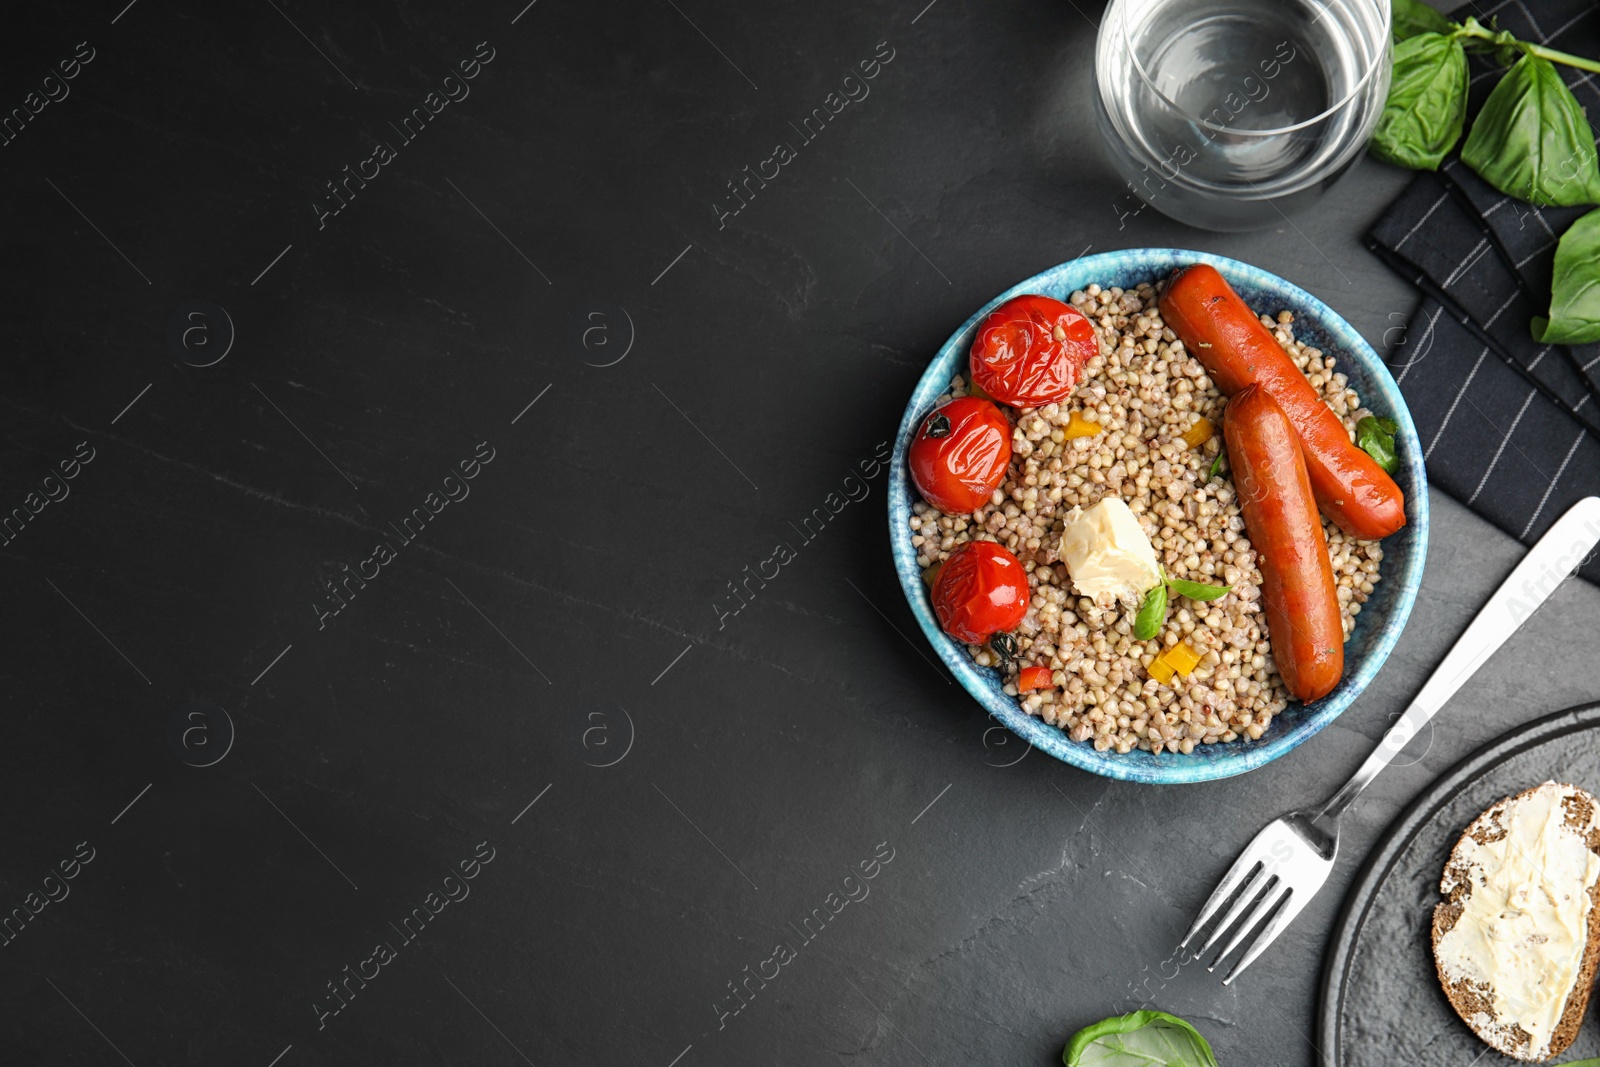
1240,756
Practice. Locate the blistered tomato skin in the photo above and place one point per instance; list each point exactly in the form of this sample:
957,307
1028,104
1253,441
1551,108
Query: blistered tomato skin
981,590
1031,351
959,455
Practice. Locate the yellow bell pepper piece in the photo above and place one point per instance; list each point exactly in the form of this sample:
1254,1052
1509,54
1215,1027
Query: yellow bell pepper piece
1182,658
1080,427
1198,434
1161,670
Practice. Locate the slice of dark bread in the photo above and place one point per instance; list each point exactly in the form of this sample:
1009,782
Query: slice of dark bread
1474,1000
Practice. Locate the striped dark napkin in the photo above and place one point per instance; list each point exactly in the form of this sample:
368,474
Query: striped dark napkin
1509,426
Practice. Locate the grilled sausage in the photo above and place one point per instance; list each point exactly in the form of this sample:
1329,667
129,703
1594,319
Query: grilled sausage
1219,329
1280,515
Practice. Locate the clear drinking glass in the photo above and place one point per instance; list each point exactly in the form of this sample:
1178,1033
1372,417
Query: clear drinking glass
1230,114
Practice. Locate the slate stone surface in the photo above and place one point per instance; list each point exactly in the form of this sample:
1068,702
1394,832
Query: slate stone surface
543,679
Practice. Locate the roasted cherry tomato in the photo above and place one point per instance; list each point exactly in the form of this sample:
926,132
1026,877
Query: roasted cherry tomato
960,454
1032,678
1030,351
981,590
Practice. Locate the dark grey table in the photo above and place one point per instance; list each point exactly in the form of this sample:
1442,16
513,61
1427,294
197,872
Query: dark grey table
527,745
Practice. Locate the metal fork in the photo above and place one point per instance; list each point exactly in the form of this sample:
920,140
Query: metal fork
1282,869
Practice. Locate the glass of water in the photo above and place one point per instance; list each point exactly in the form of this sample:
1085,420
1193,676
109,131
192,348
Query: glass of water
1230,114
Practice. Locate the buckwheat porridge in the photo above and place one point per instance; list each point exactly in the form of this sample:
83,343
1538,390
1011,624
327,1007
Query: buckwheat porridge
1143,426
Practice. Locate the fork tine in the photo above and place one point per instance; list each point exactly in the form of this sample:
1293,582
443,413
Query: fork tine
1298,899
1244,865
1278,890
1244,910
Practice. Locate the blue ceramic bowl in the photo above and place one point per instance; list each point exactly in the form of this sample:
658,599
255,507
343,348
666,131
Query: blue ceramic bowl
1382,617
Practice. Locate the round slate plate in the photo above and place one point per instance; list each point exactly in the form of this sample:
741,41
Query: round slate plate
1377,627
1381,1001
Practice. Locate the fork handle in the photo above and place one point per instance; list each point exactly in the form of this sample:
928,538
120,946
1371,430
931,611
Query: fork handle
1563,547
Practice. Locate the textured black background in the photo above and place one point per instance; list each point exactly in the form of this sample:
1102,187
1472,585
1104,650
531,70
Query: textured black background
780,748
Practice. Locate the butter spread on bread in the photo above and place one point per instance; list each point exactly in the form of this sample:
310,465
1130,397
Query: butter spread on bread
1519,883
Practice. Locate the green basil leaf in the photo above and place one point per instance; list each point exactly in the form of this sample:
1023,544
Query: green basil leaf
1139,1039
1580,1063
1216,464
1375,437
1198,590
1575,295
1412,17
1427,103
1152,613
1531,139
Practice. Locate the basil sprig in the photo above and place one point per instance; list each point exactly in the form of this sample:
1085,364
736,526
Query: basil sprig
1575,301
1530,140
1375,437
1139,1039
1153,612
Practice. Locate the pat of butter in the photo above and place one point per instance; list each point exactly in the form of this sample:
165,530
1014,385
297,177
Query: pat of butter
1524,928
1106,551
